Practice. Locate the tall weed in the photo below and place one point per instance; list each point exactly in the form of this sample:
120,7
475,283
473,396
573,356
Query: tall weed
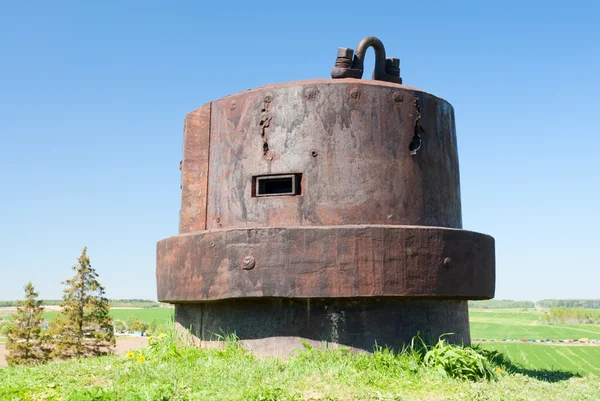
452,360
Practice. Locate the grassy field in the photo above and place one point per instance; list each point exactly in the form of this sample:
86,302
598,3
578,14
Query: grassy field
160,315
169,370
517,325
485,324
580,359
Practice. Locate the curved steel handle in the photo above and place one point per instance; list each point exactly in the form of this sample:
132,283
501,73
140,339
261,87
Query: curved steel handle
347,66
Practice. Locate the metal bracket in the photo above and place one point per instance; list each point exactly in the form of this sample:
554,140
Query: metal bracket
351,65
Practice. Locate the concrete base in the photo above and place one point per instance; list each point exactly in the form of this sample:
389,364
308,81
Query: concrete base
277,326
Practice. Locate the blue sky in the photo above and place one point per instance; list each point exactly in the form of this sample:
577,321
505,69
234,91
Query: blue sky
93,97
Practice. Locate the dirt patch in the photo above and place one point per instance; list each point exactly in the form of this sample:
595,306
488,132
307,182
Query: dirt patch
124,344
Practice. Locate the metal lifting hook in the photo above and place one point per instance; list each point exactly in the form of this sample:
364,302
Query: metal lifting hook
351,65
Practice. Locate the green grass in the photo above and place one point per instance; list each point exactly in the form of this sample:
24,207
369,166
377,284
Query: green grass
516,325
161,315
173,371
537,371
580,359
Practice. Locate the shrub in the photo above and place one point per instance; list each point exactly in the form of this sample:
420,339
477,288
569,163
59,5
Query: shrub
135,324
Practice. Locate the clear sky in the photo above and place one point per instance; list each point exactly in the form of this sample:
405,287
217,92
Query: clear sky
93,97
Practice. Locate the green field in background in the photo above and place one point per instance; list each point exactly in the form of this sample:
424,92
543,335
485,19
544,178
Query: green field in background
580,359
160,315
517,325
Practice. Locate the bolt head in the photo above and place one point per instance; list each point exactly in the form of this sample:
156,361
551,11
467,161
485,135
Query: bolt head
248,263
344,52
395,62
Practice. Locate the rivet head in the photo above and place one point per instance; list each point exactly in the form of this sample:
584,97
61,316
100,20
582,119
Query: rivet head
447,263
248,263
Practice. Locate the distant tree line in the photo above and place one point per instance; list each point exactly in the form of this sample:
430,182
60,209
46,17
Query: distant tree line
570,303
133,303
43,302
544,303
501,304
117,303
563,315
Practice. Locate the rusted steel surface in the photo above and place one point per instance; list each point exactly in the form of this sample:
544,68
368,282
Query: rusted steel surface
351,141
323,262
194,170
324,210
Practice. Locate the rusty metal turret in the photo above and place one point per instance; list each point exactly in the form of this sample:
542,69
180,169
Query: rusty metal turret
324,210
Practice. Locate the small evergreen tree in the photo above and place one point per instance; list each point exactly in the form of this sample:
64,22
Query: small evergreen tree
83,327
26,344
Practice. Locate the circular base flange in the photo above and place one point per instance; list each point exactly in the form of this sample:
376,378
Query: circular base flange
276,326
326,262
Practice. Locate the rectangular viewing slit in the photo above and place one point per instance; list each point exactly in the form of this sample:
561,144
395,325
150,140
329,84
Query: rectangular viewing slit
276,185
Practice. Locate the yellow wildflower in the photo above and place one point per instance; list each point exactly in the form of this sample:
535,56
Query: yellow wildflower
140,358
150,338
27,395
161,335
130,354
498,370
